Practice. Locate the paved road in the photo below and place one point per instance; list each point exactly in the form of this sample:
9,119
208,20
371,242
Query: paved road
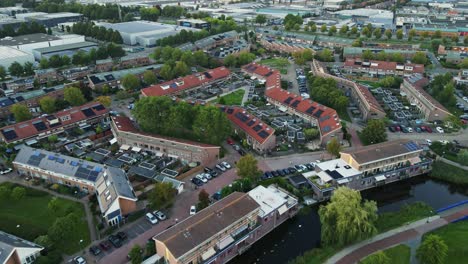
461,136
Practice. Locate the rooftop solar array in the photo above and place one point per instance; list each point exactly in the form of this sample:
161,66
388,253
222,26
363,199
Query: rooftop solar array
40,126
230,111
88,112
9,134
288,100
411,146
147,165
87,174
251,68
310,110
35,160
103,152
318,113
263,134
242,117
125,159
251,122
295,103
99,107
208,75
334,174
257,128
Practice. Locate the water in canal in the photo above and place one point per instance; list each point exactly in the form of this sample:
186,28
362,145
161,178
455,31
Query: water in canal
303,232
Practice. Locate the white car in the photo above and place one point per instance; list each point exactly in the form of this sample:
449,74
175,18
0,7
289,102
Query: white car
151,218
410,130
6,171
220,167
207,176
226,165
465,98
193,210
429,142
201,178
79,260
440,130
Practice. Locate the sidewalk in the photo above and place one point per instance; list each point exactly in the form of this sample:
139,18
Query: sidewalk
403,234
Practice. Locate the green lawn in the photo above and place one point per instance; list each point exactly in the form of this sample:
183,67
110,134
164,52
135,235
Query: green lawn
406,214
29,218
372,84
234,98
449,173
456,238
280,64
399,254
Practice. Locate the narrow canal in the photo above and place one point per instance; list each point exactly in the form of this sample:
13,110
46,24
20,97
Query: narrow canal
302,233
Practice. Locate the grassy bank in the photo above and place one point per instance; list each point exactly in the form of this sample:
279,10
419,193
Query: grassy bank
234,98
399,254
280,64
449,173
385,222
455,236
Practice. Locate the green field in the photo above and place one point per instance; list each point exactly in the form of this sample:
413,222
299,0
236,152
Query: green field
399,254
406,214
448,173
30,217
456,238
280,64
234,98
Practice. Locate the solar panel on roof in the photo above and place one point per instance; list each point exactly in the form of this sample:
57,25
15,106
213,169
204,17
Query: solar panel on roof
51,157
269,74
295,103
310,110
288,100
9,134
257,128
318,113
242,117
263,134
60,160
99,107
411,146
88,112
250,123
173,85
92,178
74,163
230,110
40,126
98,169
208,75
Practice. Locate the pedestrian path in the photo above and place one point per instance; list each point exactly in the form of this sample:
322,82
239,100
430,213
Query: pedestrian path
409,234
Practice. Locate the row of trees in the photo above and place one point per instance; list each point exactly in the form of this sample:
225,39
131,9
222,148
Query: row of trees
91,11
23,29
240,59
98,32
160,115
16,69
419,57
292,22
153,13
301,57
442,89
326,92
325,55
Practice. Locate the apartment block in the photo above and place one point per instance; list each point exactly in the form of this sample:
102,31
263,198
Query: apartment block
430,108
376,68
115,194
16,250
188,151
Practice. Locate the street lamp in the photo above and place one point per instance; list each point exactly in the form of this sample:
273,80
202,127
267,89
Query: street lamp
18,226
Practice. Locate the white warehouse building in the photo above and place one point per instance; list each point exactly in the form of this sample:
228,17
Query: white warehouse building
9,55
30,42
144,33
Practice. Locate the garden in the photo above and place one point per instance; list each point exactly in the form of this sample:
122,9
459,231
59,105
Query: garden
280,64
234,98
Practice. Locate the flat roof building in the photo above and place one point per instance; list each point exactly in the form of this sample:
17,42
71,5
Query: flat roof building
53,19
61,50
30,42
144,33
9,55
377,68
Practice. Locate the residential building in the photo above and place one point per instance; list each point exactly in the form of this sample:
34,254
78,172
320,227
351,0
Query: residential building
127,134
115,194
430,108
112,78
260,137
455,57
15,250
77,73
226,228
195,81
104,65
361,96
369,166
194,23
9,55
47,75
376,68
19,85
356,52
332,42
30,99
445,30
134,60
81,116
462,77
324,118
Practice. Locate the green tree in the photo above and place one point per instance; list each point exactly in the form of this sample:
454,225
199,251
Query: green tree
135,254
420,58
311,133
63,228
323,28
149,77
54,205
162,195
377,33
437,34
18,193
365,31
74,96
432,250
377,258
346,219
166,72
21,112
181,69
462,157
47,104
411,34
325,55
334,147
245,58
399,34
44,63
16,69
52,138
367,55
463,64
211,125
388,33
130,82
151,14
313,28
374,132
260,19
332,30
230,60
465,40
203,200
247,168
104,100
354,30
3,73
44,241
344,29
28,69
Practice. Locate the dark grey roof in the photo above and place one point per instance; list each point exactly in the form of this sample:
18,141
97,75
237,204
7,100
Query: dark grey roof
9,242
136,170
71,46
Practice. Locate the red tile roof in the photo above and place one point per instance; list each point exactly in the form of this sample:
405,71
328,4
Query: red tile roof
36,126
124,124
258,69
369,98
384,65
327,118
249,123
418,84
187,82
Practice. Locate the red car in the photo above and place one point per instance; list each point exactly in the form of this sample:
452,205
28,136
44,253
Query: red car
105,245
429,129
229,141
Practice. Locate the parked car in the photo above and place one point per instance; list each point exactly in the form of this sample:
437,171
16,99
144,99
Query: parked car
193,210
105,245
275,174
220,167
201,178
429,142
95,250
299,168
429,129
197,182
207,176
121,235
230,141
309,166
236,147
440,130
281,173
151,218
115,241
292,170
160,215
286,171
79,260
391,128
241,152
213,173
6,171
226,165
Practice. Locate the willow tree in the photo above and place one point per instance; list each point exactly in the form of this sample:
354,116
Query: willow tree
346,218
